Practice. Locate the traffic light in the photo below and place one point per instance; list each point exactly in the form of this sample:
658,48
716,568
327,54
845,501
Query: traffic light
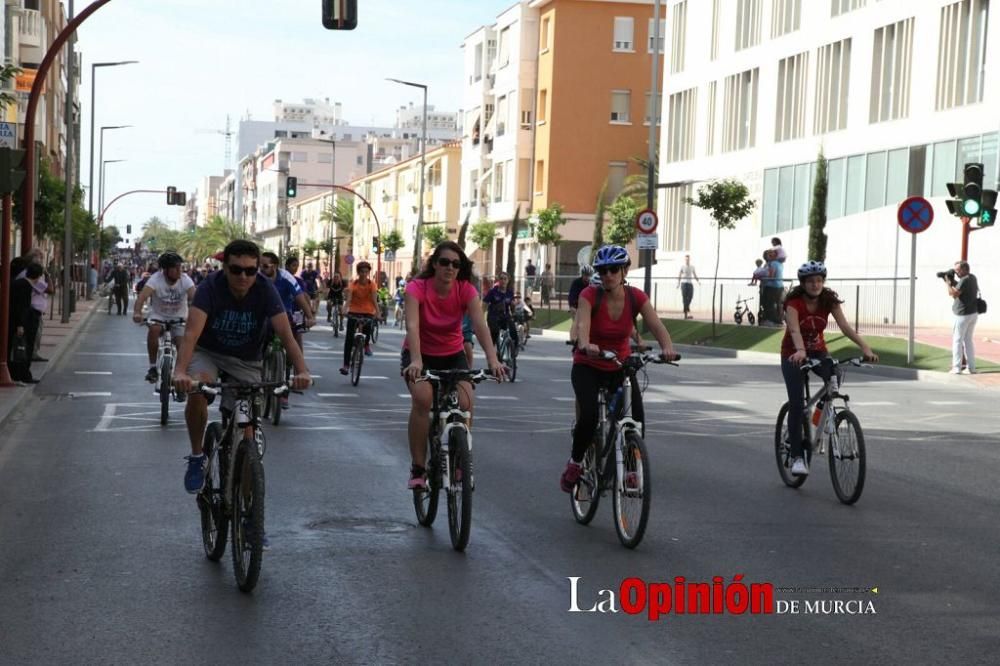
989,214
340,14
171,195
181,199
972,190
375,244
11,173
291,187
128,229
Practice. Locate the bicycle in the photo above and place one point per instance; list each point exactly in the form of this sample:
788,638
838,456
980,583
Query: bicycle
507,351
233,494
165,360
399,316
834,425
626,472
523,332
743,310
375,326
275,368
337,317
360,341
449,451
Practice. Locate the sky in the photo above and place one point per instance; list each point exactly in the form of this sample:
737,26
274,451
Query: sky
200,60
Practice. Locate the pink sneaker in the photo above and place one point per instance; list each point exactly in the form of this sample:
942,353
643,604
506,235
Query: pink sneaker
570,476
418,478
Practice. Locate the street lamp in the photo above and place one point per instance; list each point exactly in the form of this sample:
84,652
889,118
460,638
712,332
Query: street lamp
100,180
423,174
100,199
93,97
333,192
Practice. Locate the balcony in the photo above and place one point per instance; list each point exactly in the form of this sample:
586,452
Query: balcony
30,28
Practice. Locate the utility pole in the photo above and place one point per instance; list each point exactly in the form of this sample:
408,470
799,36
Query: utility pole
69,178
647,255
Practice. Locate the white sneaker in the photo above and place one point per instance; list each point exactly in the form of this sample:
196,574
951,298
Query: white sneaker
954,371
968,371
799,467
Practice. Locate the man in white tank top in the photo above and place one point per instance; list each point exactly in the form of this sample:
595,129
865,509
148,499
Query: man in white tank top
685,280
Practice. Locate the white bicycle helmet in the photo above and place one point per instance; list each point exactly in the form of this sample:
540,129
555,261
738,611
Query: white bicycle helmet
811,268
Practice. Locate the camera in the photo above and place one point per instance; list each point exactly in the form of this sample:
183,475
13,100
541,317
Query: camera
948,275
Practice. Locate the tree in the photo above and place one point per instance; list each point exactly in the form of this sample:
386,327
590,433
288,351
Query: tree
435,234
7,73
109,239
483,234
621,229
602,205
637,185
464,230
817,214
202,242
310,248
549,221
514,226
393,241
727,202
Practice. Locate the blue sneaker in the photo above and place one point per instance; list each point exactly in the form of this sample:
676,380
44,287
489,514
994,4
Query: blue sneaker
194,477
368,350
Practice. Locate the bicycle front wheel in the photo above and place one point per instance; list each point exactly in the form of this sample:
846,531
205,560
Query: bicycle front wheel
460,492
248,516
214,522
357,358
425,500
847,458
631,498
166,392
586,494
783,450
374,331
278,373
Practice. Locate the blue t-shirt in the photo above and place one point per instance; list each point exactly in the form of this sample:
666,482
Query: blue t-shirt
310,280
288,288
498,303
236,328
777,273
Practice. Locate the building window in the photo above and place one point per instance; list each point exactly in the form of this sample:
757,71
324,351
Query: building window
324,158
897,176
962,54
477,64
769,204
677,225
360,160
682,109
892,56
747,23
790,111
710,130
299,156
526,98
786,17
739,109
498,181
505,47
543,36
617,171
474,187
620,101
833,73
680,25
624,37
875,181
501,115
539,177
543,102
650,111
855,200
716,17
838,7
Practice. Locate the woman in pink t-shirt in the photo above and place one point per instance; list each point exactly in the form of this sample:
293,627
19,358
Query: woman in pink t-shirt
436,301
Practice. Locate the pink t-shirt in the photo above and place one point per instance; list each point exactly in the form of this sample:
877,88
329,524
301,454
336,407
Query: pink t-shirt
441,318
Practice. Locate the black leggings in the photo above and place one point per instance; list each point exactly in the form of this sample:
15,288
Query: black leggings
352,325
496,324
796,398
587,381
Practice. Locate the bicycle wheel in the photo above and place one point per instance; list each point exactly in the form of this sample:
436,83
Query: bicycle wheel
214,522
278,372
460,492
425,501
587,494
631,493
265,376
374,331
783,452
751,319
847,458
357,358
248,516
336,322
738,318
166,375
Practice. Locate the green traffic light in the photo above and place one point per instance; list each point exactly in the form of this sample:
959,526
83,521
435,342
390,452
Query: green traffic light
971,207
987,219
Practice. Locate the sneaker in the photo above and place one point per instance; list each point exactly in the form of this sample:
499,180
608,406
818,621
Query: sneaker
799,467
152,375
968,371
955,371
418,478
344,369
284,402
368,350
570,476
194,477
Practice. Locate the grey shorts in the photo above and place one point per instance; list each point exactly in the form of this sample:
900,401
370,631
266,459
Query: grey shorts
209,364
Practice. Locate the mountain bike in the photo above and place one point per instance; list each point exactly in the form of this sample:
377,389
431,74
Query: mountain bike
337,318
360,341
507,351
449,449
165,361
233,495
276,368
617,458
832,424
743,310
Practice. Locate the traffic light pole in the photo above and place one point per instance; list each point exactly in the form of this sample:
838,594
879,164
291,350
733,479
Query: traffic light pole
8,208
967,229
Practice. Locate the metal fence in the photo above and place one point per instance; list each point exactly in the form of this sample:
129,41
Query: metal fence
873,306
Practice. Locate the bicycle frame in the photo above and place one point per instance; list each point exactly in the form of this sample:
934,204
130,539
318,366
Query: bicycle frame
445,415
614,437
819,435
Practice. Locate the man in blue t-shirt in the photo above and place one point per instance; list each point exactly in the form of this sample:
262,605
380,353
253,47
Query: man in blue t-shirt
774,287
232,315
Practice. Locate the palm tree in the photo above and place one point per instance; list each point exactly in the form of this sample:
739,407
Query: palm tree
341,215
637,185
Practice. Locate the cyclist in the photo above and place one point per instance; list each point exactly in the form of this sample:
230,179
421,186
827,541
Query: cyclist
169,291
807,310
226,333
398,313
310,277
293,297
362,299
436,301
499,302
383,302
523,314
608,327
335,296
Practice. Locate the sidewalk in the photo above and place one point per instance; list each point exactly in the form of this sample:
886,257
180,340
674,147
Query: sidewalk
56,339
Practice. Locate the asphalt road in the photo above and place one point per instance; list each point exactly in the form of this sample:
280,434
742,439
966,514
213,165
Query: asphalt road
101,561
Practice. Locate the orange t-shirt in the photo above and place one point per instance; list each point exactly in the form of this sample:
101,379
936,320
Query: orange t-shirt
362,298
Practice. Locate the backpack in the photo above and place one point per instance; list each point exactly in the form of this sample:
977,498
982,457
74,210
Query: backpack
632,300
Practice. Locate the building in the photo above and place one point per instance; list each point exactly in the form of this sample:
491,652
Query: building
441,125
225,196
312,112
894,93
207,196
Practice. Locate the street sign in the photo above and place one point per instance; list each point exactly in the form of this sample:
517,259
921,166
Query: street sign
646,241
8,135
349,259
915,215
389,255
646,222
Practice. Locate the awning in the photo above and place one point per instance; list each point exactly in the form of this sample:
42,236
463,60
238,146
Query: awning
486,174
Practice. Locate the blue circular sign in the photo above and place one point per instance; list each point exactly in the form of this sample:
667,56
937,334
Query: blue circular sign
915,215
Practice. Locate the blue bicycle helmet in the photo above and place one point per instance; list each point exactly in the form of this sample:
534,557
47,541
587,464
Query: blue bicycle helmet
812,268
611,255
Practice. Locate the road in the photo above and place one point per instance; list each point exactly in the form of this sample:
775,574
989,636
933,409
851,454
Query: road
102,563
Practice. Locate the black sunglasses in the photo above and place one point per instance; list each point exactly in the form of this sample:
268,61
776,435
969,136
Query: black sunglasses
445,262
249,271
604,270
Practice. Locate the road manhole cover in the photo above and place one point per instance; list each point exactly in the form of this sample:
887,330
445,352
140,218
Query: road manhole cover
367,525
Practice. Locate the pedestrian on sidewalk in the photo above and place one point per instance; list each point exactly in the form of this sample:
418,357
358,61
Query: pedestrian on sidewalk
774,287
687,273
121,279
24,322
530,271
548,284
964,291
91,281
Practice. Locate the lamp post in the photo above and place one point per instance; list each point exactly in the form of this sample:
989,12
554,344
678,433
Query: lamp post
423,175
333,193
93,97
100,198
100,179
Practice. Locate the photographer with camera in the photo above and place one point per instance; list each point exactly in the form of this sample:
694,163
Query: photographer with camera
964,289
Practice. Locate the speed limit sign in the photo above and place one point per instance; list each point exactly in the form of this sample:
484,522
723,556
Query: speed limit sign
646,221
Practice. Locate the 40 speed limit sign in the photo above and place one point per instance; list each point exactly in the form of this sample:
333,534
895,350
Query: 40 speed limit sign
646,221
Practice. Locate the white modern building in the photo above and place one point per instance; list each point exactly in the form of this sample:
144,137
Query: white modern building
207,196
441,125
896,94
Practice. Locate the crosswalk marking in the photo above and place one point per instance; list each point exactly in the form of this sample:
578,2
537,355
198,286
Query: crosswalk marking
92,372
337,395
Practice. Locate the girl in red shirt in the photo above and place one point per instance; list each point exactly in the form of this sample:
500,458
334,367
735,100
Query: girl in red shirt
807,310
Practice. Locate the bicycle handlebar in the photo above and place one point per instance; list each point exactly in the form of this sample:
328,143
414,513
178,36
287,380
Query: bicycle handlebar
163,322
475,376
213,388
811,363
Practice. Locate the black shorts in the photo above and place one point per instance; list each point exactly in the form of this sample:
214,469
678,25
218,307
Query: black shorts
453,362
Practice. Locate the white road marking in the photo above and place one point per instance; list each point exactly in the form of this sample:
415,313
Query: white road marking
337,395
111,354
497,397
725,402
693,381
877,403
90,394
561,381
92,372
946,402
564,399
373,377
403,395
